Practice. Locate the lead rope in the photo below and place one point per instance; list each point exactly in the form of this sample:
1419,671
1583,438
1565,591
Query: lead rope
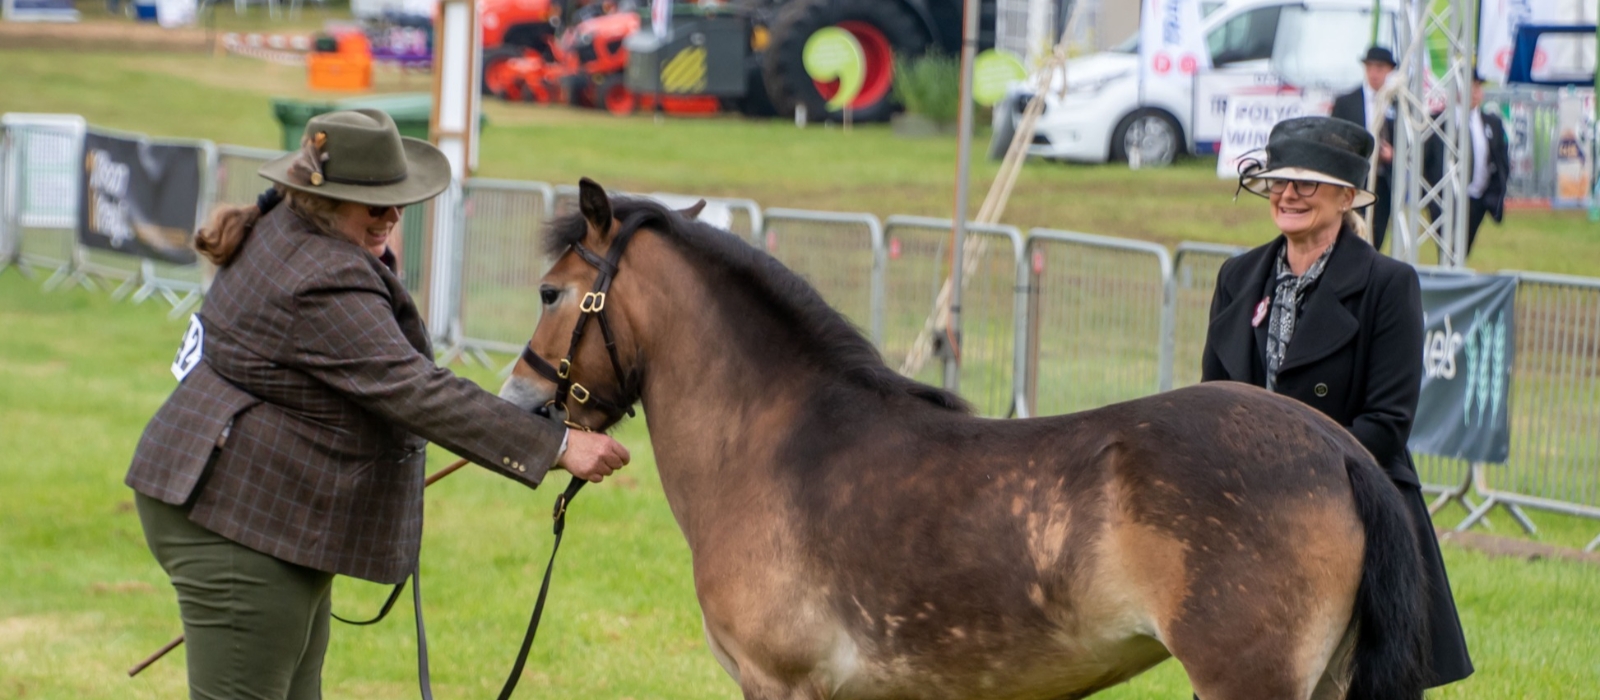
424,681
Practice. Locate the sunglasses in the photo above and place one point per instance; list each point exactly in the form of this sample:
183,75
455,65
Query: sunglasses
380,212
1304,188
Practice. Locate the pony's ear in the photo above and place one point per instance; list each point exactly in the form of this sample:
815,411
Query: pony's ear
596,207
692,211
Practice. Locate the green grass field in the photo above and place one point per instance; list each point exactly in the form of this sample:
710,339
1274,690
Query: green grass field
79,376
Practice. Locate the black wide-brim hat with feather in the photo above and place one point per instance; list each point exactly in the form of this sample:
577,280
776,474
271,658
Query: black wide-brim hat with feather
359,156
1314,149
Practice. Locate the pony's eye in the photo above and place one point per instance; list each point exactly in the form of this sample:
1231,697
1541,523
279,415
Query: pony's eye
549,295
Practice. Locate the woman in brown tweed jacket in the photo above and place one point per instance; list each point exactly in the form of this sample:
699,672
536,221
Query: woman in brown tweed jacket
292,449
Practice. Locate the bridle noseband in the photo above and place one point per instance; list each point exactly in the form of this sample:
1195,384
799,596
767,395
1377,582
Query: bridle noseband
593,305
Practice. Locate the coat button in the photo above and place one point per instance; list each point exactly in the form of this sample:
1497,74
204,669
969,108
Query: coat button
1320,389
505,460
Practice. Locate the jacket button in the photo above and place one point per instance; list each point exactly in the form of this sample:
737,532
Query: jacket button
1320,390
505,460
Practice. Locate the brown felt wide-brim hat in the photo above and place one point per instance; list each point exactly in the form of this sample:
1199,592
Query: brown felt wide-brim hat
361,157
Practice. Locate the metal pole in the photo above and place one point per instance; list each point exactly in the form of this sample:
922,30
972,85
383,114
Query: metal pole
969,49
1450,93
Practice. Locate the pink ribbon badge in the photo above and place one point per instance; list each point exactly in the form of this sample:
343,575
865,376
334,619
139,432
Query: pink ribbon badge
1261,312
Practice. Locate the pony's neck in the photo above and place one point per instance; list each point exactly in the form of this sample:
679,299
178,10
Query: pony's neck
716,412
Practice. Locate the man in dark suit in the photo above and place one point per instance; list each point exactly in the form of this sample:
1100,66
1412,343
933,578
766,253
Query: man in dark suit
1357,106
1491,165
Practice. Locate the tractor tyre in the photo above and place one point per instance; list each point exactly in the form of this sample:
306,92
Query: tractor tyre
494,61
883,28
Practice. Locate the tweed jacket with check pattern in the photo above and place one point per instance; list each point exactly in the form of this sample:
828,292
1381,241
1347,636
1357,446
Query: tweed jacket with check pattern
301,434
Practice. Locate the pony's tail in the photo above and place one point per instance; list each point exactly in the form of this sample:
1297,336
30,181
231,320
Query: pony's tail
1391,649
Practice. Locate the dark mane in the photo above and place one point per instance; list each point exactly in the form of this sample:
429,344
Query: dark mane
832,339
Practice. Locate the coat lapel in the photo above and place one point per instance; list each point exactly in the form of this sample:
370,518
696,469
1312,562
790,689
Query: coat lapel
1325,325
1237,348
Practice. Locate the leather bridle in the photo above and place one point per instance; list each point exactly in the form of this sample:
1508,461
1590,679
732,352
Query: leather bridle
592,306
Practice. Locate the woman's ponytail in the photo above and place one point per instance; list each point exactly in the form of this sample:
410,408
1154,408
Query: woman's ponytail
222,236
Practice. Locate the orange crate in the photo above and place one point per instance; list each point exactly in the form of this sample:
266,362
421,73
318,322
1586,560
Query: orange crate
339,71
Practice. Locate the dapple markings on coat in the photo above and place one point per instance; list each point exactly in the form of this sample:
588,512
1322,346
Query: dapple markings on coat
855,534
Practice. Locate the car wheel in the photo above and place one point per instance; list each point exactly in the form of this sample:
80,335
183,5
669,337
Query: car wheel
1147,138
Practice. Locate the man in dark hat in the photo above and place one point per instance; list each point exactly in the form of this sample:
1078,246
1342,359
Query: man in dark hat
1491,165
1358,106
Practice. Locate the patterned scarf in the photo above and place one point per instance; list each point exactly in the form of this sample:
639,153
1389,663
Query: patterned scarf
1288,292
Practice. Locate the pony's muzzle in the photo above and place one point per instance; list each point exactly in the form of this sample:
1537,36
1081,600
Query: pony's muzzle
527,394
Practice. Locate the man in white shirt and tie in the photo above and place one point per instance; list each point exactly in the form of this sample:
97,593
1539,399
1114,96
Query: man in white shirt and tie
1359,106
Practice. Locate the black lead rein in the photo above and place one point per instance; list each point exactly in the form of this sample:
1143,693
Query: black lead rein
592,306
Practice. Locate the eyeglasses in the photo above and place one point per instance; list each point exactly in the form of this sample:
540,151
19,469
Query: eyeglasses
1304,188
380,212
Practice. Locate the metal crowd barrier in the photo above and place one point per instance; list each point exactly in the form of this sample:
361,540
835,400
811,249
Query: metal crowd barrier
1194,280
237,183
1532,119
1054,322
917,263
743,216
841,255
1099,320
1555,403
43,158
502,260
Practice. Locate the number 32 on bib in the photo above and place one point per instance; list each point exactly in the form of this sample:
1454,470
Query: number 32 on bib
189,350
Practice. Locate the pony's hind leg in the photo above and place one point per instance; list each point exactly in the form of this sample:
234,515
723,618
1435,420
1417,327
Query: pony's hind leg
1335,682
1259,674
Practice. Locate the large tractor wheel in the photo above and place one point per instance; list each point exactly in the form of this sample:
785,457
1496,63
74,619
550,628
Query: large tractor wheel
883,28
497,76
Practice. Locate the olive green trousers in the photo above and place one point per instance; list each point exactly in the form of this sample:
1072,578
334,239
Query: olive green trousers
255,626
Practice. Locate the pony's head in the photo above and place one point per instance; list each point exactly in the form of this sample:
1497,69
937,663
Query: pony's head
581,362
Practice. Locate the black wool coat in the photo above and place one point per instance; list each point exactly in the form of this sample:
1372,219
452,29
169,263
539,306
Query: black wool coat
1356,353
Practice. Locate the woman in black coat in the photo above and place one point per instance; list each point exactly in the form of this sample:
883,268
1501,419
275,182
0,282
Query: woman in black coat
1318,315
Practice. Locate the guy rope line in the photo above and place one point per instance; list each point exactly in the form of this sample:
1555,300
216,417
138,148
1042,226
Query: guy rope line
994,204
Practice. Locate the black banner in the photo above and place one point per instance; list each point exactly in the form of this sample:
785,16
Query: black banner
1466,358
139,198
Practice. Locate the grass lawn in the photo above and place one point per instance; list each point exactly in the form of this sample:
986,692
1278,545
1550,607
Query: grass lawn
79,376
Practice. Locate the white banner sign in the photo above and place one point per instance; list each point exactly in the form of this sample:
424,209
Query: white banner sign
1248,122
1171,47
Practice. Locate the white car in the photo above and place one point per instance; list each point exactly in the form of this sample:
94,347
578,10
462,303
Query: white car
1256,47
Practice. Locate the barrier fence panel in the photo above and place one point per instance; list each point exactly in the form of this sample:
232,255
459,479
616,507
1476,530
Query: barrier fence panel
44,160
236,181
840,254
143,277
1555,401
1099,322
1194,279
1532,120
917,263
502,261
741,217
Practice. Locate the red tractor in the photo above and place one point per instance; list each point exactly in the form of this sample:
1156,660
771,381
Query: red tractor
523,59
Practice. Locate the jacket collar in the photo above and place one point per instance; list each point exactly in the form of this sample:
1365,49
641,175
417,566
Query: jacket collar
1325,323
